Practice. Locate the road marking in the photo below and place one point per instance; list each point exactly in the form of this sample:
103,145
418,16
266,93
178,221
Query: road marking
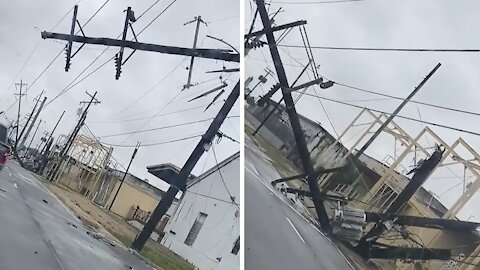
15,185
295,229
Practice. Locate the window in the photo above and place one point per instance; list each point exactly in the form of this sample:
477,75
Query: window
236,246
195,230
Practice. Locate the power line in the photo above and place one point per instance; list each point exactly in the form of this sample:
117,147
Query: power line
412,101
56,57
146,117
154,87
70,86
384,49
37,45
399,116
232,198
156,143
158,128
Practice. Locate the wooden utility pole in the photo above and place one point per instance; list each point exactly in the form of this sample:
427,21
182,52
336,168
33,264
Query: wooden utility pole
22,143
51,133
124,175
34,133
180,181
218,54
30,117
73,135
20,95
311,175
397,110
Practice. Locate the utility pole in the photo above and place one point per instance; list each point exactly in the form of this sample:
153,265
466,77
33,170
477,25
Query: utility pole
51,133
20,95
199,20
124,175
29,118
180,181
73,135
34,133
22,143
218,54
311,175
397,110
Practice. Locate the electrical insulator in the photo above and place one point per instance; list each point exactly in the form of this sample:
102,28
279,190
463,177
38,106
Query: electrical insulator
118,65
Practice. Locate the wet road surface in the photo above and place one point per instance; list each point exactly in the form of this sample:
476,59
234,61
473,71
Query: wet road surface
277,236
38,232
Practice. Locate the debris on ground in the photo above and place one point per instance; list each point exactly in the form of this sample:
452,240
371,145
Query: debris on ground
45,201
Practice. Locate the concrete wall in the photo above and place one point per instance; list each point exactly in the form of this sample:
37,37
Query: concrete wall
129,197
213,245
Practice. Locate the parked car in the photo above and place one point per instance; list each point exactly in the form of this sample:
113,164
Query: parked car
5,149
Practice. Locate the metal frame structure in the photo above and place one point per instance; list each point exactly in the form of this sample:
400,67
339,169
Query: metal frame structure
405,146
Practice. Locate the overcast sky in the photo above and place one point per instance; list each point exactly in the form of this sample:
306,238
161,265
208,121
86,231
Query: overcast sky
153,77
388,24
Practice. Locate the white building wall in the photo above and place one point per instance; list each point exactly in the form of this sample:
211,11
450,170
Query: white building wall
213,245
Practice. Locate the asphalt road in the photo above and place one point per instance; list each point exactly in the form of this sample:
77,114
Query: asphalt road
277,235
38,232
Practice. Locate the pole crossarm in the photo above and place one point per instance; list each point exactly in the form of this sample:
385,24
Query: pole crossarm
217,54
277,28
424,222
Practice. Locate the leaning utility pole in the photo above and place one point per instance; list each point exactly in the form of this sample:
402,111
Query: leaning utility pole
51,133
217,54
180,181
29,118
73,135
20,95
311,175
199,20
33,122
124,175
397,110
34,133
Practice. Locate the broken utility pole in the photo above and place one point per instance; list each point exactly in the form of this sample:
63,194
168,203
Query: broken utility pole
311,176
397,110
180,181
124,175
218,54
72,136
368,246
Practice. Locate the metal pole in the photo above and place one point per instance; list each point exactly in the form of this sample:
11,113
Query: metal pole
294,121
124,175
180,181
390,118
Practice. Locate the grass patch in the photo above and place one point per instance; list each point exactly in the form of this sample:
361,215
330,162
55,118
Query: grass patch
168,261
